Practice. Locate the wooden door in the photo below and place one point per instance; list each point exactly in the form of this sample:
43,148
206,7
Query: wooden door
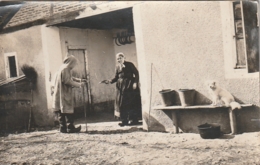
80,71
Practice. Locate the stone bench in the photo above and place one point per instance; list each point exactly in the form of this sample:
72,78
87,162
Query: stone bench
175,109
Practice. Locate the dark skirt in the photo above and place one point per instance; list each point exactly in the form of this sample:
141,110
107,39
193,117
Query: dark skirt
128,100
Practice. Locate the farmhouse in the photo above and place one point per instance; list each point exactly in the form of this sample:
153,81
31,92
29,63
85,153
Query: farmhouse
175,45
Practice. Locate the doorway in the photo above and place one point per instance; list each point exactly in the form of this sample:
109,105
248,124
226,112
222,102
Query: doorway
81,95
99,40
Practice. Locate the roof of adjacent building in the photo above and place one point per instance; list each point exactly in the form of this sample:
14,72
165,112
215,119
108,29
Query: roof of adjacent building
67,13
33,13
16,84
12,80
7,13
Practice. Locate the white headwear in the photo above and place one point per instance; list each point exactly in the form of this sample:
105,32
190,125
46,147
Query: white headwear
69,61
122,55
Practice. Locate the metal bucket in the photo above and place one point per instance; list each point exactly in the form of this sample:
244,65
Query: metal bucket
167,97
209,131
187,97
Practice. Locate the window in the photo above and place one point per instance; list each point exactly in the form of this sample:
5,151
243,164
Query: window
240,31
11,65
246,35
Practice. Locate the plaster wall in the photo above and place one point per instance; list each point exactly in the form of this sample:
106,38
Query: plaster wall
185,49
53,59
27,44
101,61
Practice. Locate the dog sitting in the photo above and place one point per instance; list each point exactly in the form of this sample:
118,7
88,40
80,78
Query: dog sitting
219,93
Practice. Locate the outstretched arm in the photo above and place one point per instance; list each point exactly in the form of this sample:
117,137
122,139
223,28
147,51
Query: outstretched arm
66,78
113,80
79,79
76,79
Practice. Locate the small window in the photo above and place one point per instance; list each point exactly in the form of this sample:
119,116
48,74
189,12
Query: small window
11,65
246,35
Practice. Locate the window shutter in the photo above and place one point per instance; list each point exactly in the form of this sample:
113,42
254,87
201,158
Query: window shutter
251,35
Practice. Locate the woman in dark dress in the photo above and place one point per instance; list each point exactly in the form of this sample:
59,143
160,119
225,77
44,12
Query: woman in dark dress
128,100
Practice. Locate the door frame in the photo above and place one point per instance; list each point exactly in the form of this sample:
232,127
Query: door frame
84,48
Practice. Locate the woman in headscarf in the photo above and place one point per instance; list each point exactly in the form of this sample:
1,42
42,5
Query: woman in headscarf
63,97
128,100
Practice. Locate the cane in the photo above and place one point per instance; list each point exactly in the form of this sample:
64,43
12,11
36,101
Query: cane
84,106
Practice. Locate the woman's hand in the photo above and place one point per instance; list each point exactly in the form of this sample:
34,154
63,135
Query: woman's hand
83,80
134,85
105,82
52,90
82,84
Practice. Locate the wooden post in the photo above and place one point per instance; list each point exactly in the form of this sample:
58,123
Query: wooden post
233,123
6,117
175,120
30,115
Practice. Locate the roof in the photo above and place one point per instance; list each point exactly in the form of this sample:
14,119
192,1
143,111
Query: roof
12,80
7,13
17,84
7,3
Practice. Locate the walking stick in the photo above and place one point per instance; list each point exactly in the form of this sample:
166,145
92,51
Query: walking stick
84,106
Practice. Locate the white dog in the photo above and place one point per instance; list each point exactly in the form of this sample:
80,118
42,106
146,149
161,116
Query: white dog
219,93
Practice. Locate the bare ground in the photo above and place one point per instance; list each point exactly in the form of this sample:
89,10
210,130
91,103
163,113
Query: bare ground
107,143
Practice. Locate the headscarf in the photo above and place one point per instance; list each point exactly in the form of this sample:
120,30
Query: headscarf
69,61
121,65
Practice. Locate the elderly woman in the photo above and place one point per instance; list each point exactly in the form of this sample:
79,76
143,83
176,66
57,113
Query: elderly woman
128,100
63,97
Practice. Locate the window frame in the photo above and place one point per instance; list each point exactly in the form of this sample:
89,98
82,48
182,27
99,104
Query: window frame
229,44
7,67
244,37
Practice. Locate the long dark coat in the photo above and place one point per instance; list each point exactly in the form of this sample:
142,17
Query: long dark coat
128,100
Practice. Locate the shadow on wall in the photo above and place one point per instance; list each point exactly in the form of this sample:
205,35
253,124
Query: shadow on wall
199,99
153,124
248,119
238,100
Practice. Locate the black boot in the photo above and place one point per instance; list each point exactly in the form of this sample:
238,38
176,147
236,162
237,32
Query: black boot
134,122
62,122
124,122
70,124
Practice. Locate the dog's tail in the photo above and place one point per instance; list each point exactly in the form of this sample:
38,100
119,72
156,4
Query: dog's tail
235,105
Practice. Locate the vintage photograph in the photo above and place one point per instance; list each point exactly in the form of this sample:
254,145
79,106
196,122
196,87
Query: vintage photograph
129,83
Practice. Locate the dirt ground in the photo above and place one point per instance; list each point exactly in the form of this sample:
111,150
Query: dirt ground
107,143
